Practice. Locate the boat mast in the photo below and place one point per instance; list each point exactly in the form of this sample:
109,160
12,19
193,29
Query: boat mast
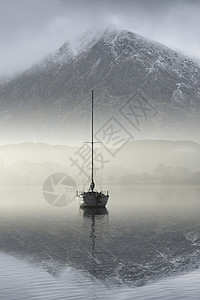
92,183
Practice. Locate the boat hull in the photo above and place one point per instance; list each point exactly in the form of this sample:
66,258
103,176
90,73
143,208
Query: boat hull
92,199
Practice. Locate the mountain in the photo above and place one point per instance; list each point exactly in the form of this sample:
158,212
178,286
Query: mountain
151,90
32,163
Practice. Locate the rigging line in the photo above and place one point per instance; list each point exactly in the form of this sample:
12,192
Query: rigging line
101,122
85,137
101,168
92,183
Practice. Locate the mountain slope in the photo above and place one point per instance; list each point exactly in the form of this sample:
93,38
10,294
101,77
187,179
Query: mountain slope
54,94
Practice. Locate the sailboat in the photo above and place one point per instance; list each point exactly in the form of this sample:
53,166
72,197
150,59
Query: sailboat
92,197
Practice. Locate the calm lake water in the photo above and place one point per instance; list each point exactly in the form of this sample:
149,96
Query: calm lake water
145,245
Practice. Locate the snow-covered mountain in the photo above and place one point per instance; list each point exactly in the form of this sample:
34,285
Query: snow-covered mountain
150,89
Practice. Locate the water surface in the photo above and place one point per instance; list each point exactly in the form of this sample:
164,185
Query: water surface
145,245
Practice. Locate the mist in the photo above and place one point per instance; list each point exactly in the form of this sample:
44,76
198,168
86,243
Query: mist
30,29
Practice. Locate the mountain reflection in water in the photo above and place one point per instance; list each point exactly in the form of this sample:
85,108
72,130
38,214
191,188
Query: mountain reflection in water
140,237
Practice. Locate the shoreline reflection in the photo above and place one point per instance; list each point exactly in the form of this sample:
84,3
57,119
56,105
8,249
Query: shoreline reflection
136,242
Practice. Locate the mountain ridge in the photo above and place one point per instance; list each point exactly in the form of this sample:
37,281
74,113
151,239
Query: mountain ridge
116,64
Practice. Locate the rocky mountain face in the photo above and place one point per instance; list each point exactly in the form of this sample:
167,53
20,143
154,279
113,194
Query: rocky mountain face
149,89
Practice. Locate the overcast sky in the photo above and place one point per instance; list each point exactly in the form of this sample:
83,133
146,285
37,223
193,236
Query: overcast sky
30,29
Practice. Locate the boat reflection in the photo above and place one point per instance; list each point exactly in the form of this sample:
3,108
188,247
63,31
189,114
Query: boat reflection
88,212
93,213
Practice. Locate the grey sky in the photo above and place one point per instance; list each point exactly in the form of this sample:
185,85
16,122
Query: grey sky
30,29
